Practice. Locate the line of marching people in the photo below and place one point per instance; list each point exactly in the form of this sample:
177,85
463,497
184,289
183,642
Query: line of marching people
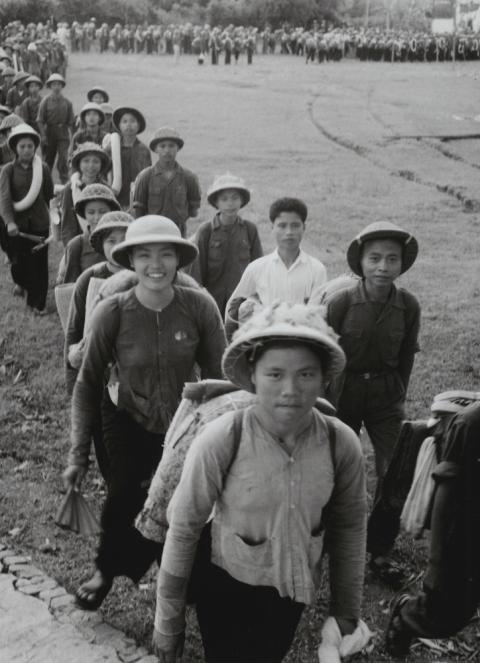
265,489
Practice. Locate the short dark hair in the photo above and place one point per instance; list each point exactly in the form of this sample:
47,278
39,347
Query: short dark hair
288,205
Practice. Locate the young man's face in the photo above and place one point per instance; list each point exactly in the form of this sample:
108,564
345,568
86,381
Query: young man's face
25,149
94,210
98,98
33,89
167,150
288,229
381,262
229,201
90,166
128,124
287,383
56,87
113,238
92,118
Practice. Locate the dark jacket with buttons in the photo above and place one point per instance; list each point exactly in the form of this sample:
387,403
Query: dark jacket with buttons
224,253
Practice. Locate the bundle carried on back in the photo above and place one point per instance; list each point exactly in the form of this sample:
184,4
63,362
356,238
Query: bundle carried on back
201,403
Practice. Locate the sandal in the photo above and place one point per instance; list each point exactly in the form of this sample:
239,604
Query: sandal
388,571
92,599
398,636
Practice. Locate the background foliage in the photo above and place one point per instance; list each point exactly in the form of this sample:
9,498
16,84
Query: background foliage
216,12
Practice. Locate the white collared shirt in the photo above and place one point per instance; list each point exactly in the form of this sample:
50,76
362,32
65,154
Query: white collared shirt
270,279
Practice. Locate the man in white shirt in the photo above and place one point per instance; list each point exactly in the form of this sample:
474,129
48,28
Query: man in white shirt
288,273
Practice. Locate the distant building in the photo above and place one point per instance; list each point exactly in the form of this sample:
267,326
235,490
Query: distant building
443,21
468,16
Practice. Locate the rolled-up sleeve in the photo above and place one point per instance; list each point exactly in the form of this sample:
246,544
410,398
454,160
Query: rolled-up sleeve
88,389
346,527
212,339
191,505
140,195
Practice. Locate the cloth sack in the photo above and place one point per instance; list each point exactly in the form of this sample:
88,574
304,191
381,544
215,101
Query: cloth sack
201,403
334,646
417,505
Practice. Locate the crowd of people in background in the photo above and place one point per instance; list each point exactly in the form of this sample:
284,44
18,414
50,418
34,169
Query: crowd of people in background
41,49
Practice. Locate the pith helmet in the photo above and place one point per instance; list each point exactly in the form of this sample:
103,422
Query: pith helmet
154,229
55,78
382,230
166,133
228,181
22,131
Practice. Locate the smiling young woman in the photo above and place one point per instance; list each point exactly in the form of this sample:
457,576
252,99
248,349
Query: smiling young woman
154,334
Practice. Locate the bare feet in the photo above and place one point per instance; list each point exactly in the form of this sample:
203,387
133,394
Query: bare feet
91,594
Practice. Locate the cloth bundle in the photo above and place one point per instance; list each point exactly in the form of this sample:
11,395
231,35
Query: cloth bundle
417,505
334,646
202,402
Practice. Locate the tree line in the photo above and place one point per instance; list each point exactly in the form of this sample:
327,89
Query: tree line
216,12
259,13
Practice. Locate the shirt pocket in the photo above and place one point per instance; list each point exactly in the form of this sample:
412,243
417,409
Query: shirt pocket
179,196
253,555
352,340
216,252
244,252
395,340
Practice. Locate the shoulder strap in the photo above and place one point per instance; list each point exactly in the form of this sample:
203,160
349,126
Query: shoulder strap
332,438
237,436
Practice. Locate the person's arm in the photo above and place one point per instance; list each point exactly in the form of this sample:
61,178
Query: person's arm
256,249
319,280
6,205
69,226
42,120
140,194
70,116
88,389
212,338
410,343
199,268
247,286
47,184
345,536
75,324
200,486
194,195
71,268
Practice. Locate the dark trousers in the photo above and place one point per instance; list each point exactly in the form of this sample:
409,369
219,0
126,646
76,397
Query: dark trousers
57,147
29,270
241,623
133,455
451,588
384,521
106,415
378,403
4,238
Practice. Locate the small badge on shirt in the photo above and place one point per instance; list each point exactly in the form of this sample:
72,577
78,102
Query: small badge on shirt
180,336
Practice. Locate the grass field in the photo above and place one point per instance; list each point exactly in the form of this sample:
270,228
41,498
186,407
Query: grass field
330,134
